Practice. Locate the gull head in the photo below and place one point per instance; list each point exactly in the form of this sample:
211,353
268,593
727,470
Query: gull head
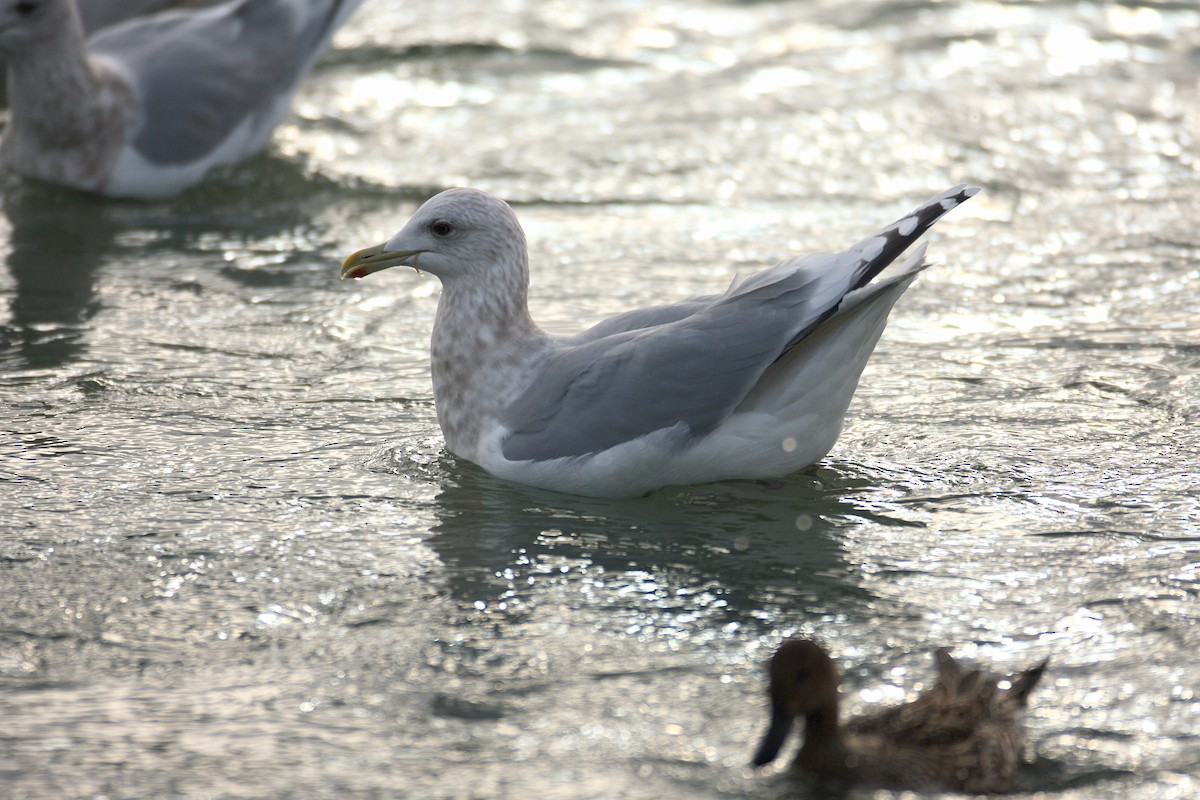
460,233
24,23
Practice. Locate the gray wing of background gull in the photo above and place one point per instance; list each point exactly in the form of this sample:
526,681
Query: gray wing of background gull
199,73
97,14
693,362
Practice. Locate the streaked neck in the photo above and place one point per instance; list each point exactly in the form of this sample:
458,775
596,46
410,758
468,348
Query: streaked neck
68,120
482,342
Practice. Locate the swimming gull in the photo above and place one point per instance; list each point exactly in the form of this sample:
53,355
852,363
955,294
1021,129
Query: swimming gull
146,107
751,383
96,14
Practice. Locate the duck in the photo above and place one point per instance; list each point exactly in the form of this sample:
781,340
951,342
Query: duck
146,107
964,734
750,384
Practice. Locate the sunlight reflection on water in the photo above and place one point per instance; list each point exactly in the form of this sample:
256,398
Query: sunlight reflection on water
237,560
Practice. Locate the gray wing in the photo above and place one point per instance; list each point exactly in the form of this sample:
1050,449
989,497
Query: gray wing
693,370
692,363
599,394
97,14
199,73
872,255
642,318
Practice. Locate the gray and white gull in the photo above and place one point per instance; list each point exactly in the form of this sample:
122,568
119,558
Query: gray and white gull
751,383
146,107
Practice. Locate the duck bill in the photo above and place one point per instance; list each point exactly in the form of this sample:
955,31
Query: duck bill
374,259
776,735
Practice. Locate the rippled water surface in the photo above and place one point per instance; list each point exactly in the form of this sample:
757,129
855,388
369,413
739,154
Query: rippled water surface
235,560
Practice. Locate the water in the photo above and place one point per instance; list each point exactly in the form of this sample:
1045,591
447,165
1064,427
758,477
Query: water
236,562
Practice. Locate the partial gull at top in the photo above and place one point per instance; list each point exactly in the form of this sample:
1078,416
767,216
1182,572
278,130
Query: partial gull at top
97,14
751,383
146,107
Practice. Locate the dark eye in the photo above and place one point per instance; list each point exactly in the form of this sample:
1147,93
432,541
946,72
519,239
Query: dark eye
441,228
26,8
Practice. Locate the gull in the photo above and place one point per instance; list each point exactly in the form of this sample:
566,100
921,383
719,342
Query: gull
96,14
752,383
146,107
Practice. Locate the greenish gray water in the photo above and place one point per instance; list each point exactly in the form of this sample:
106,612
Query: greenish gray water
235,560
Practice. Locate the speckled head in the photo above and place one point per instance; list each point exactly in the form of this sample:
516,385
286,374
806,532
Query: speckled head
25,23
457,233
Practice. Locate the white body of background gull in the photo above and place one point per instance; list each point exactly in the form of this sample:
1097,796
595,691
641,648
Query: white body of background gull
751,383
146,107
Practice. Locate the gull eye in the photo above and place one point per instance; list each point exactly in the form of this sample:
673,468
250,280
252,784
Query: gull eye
26,8
441,228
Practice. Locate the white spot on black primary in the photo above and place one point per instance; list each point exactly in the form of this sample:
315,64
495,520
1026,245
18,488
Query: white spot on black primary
900,235
960,197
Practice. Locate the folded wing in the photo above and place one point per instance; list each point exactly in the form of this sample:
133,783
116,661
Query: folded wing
688,366
199,74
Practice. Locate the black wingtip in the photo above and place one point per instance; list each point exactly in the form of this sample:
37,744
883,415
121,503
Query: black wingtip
901,234
956,196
